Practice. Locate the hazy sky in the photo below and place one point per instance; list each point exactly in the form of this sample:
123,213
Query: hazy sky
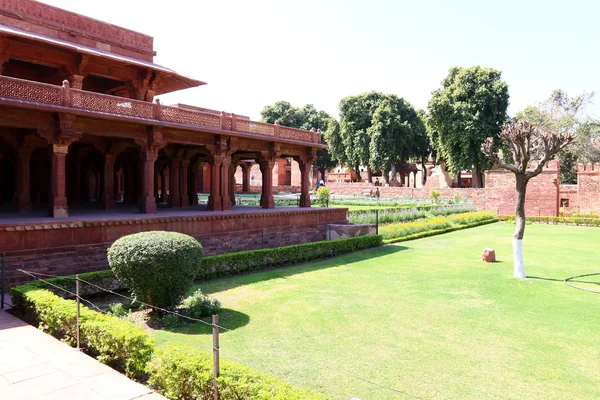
255,52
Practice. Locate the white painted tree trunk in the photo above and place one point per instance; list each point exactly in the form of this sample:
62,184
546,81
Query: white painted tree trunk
519,271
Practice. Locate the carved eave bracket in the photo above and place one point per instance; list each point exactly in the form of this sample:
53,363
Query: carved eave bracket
153,142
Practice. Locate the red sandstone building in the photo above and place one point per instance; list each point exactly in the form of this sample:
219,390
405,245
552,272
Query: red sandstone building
80,130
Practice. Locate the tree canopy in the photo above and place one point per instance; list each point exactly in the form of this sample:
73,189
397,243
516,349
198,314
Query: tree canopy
470,106
561,113
305,117
376,130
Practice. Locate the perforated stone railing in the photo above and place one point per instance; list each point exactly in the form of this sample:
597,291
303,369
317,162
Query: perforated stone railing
111,104
41,93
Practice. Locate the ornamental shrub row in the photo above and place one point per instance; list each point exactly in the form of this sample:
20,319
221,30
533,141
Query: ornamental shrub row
557,220
186,373
439,225
253,260
392,215
113,341
438,231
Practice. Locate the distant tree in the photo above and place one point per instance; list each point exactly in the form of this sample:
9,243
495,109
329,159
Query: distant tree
305,117
563,112
528,145
281,111
470,106
394,131
356,116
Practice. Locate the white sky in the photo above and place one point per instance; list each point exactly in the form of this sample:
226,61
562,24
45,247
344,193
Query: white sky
255,52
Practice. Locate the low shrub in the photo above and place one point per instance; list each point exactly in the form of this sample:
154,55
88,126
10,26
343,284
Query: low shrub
469,218
435,196
557,220
199,305
436,224
117,309
323,196
158,267
113,341
253,260
186,373
434,232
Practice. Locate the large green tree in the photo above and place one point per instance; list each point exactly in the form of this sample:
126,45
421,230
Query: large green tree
561,112
356,115
305,117
376,130
470,106
396,134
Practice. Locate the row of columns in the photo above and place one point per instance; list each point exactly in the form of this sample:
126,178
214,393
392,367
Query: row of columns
222,181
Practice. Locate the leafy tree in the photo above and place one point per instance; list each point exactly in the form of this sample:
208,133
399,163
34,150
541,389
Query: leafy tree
563,112
356,115
305,117
528,145
470,106
394,131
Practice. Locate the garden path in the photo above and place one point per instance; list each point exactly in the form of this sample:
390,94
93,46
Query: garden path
34,365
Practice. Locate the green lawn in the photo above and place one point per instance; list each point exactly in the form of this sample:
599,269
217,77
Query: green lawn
426,317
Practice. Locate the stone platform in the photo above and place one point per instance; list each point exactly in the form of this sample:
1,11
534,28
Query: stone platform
78,243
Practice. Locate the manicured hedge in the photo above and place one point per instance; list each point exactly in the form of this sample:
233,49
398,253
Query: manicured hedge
113,341
557,220
438,231
435,226
186,373
253,260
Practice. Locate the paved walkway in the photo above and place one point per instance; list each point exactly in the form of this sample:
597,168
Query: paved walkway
34,365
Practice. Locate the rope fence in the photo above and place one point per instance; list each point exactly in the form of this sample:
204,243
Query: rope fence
215,327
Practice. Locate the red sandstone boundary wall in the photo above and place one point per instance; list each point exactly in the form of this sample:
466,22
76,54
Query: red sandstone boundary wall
498,195
588,188
64,248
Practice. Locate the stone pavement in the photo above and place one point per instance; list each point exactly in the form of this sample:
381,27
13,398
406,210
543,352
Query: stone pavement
34,365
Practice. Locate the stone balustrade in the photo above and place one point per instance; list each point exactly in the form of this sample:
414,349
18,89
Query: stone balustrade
45,94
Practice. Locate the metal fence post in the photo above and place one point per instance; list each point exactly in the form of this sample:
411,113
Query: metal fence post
377,222
78,306
215,332
2,281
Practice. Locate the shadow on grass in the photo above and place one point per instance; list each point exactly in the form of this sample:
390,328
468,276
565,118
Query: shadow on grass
230,282
228,318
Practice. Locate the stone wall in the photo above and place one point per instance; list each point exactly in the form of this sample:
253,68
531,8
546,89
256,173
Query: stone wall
498,195
341,231
80,246
588,188
567,197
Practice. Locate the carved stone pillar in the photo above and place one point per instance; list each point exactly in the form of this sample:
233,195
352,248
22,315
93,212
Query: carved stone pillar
185,198
232,169
305,169
174,197
215,202
225,187
147,201
246,168
76,81
23,195
58,197
109,181
266,169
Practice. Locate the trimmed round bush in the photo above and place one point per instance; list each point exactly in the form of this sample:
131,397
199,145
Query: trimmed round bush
199,305
158,267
